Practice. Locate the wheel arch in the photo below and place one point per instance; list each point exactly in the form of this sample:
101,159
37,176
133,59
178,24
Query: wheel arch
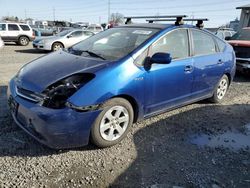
57,42
133,103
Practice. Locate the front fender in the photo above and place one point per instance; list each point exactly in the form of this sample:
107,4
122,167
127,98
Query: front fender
117,79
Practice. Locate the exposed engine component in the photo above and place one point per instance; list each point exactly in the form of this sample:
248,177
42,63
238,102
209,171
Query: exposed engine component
58,93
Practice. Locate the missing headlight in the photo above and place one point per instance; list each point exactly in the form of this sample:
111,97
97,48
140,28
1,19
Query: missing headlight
58,93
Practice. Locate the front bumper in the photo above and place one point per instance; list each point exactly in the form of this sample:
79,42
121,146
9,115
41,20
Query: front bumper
42,46
55,128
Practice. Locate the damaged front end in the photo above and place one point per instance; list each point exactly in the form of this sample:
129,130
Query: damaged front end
56,95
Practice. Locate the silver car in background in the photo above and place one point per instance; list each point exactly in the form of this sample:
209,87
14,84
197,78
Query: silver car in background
61,40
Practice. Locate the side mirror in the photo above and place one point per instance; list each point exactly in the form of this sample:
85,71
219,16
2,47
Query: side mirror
161,58
227,38
69,36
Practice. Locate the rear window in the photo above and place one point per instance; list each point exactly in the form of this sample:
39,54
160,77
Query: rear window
25,27
244,34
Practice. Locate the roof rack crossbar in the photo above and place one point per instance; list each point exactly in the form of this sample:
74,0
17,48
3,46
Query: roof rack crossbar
129,18
199,21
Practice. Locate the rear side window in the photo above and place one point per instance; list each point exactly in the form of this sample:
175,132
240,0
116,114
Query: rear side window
25,27
175,43
88,33
203,43
13,27
2,27
77,34
221,45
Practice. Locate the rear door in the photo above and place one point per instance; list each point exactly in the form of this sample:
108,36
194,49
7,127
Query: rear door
169,85
13,32
208,63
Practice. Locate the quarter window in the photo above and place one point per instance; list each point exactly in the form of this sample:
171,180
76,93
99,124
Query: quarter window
175,43
203,43
25,27
221,45
13,27
2,27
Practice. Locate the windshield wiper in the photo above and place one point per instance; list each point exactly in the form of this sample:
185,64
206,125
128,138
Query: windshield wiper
93,54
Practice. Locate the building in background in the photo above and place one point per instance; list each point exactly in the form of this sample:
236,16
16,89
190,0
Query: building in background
245,16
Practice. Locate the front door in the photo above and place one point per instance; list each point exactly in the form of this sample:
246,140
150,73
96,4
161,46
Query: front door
169,85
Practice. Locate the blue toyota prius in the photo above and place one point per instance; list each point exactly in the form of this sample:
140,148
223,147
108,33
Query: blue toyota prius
96,89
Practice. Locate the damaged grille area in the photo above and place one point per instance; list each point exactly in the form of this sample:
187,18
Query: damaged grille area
58,93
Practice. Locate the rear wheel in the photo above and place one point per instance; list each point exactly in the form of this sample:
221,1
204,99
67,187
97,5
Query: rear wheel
220,90
57,46
23,41
113,123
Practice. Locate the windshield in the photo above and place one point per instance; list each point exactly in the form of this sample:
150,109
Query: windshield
244,34
63,33
114,43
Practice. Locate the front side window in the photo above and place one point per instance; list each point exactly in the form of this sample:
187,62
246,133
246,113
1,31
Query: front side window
76,34
13,27
114,43
203,43
2,27
175,43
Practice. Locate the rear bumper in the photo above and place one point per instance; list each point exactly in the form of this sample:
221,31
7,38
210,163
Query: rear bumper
55,128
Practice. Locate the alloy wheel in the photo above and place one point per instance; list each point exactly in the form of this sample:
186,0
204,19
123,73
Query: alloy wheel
114,123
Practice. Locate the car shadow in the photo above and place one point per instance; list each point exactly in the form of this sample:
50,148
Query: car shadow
239,77
33,51
167,158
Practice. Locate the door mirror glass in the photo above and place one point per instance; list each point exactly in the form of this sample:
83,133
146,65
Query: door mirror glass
161,58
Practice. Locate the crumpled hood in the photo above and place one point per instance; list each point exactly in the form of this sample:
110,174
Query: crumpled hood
42,72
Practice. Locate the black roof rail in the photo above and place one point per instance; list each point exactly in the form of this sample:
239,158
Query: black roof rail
199,21
178,17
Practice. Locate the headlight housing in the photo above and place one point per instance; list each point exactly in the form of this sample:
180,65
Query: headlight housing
58,93
41,42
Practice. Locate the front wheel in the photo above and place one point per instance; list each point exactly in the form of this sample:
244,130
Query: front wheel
220,90
113,123
57,46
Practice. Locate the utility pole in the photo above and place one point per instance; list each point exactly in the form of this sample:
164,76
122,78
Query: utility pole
54,13
25,13
108,11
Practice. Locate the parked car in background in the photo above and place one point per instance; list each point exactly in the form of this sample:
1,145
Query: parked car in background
44,30
61,40
1,43
97,88
19,33
95,28
241,44
223,33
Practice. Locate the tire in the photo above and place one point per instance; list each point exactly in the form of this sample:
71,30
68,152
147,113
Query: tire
23,41
57,46
113,123
220,90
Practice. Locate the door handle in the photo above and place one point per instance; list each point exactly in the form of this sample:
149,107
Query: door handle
188,68
220,61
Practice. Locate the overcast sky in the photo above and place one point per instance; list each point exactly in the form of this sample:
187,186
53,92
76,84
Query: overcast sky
217,11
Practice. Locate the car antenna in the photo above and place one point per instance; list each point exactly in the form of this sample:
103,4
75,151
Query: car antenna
180,21
179,18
